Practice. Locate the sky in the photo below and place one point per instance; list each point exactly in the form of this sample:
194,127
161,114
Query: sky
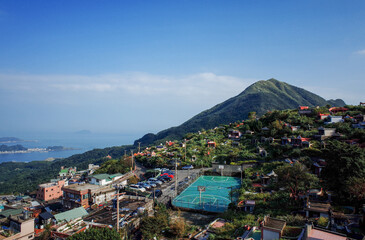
134,66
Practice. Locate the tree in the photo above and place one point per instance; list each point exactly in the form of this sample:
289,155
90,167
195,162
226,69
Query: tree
345,166
153,226
252,116
295,178
97,234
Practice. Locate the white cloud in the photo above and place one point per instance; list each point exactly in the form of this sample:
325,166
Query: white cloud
203,84
361,52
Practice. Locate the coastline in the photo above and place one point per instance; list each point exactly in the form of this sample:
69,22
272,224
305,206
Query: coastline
40,150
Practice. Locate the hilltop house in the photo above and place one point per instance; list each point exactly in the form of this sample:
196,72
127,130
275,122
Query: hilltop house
300,141
334,110
314,209
323,116
304,110
334,119
211,144
234,134
324,133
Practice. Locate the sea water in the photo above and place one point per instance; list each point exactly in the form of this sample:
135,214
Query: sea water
79,143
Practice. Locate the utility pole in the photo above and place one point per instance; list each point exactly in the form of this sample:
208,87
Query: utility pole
176,177
125,155
118,194
118,209
132,159
139,147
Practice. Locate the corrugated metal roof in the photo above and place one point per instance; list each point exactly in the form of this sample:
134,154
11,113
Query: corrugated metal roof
71,214
9,212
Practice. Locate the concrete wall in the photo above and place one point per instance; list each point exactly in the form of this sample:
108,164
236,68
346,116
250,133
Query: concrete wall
228,170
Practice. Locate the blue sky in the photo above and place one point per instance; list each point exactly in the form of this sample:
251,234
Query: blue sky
143,66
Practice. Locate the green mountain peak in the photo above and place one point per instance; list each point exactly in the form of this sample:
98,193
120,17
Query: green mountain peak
260,97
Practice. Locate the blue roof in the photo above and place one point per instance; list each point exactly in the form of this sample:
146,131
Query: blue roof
46,215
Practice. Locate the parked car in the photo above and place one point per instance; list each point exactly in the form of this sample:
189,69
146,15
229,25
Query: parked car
152,184
155,181
145,185
167,178
137,187
187,167
168,175
163,179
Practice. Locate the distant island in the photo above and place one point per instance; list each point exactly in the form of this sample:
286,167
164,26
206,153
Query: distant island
10,140
4,149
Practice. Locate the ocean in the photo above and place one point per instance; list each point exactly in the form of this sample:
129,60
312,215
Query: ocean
79,143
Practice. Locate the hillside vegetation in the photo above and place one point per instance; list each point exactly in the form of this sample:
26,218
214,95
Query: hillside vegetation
260,97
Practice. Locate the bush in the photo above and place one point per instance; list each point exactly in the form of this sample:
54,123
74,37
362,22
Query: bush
322,221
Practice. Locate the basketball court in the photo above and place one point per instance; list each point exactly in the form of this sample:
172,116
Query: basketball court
208,193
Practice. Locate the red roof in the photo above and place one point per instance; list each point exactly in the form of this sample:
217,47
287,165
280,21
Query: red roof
303,107
256,185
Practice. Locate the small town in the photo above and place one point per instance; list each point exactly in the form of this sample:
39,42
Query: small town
285,175
182,119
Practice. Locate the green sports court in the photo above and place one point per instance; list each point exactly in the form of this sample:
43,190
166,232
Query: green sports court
215,198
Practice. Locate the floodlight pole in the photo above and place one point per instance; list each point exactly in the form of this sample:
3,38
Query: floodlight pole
200,197
185,150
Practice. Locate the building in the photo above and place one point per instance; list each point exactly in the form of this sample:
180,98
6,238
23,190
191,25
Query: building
323,116
104,179
87,195
211,144
313,233
314,209
334,110
304,110
67,172
71,214
334,119
77,195
327,132
50,191
234,134
272,228
18,227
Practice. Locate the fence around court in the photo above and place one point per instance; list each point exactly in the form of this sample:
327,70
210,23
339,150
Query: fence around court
209,207
182,185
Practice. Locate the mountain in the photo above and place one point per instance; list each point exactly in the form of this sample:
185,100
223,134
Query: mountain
260,97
